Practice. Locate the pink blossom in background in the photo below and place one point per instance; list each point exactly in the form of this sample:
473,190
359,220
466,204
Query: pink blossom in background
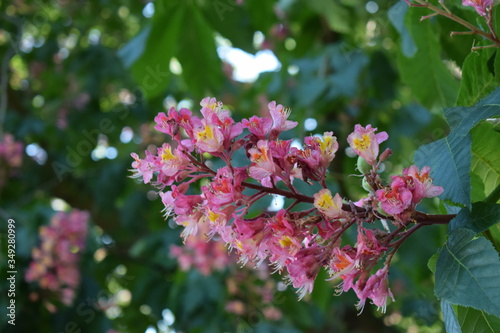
54,264
11,151
197,252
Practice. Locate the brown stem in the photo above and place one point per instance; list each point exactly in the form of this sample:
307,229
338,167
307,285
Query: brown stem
418,217
488,35
430,219
275,190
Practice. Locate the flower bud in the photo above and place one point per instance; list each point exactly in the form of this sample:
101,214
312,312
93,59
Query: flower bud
385,155
363,166
366,185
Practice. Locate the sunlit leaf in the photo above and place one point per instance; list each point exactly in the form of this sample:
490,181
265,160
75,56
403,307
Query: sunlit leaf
485,165
478,80
472,320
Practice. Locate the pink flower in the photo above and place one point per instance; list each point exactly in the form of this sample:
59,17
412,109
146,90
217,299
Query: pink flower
169,163
55,261
214,113
327,146
283,158
208,138
221,190
309,163
197,252
262,161
250,239
11,150
343,265
259,127
168,201
481,6
237,307
366,143
143,168
396,199
285,240
329,206
211,108
302,271
279,114
423,182
376,289
188,211
170,124
272,313
368,248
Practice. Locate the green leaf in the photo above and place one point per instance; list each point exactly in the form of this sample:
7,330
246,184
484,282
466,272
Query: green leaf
449,160
472,320
450,318
425,73
347,68
468,271
431,264
224,16
204,72
477,79
496,18
337,16
262,14
463,119
322,292
397,15
450,157
496,64
132,51
485,165
480,218
151,69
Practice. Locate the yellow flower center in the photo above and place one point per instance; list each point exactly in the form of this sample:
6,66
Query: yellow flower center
363,143
166,154
285,241
206,134
326,201
212,216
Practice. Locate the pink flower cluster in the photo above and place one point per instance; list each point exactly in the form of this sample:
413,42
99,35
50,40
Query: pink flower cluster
55,261
11,151
298,242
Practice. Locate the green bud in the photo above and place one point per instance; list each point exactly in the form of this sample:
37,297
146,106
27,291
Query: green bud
366,185
380,210
363,166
